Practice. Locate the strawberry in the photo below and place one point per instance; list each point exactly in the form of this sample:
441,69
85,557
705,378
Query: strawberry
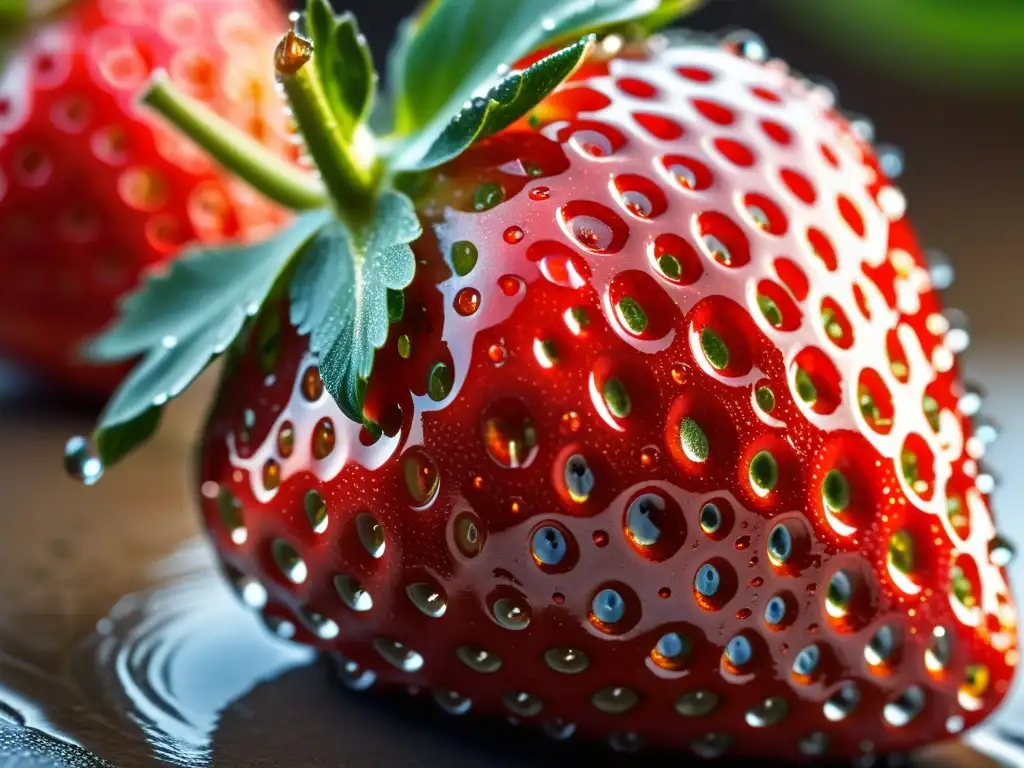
627,407
93,189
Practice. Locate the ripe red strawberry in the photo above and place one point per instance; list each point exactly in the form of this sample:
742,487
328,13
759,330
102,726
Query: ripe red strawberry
93,190
665,442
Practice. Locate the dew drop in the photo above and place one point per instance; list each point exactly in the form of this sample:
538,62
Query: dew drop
464,256
540,193
511,613
80,462
467,301
513,235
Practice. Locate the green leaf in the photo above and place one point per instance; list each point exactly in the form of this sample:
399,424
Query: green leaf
339,294
344,63
455,49
505,103
179,321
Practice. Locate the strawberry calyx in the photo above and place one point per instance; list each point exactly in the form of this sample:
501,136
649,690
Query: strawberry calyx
346,258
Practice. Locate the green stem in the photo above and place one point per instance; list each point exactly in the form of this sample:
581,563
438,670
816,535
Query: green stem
349,180
234,149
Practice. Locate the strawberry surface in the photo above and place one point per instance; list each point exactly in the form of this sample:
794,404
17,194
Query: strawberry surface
94,191
670,450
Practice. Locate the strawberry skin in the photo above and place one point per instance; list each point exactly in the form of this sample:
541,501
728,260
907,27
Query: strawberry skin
93,191
671,448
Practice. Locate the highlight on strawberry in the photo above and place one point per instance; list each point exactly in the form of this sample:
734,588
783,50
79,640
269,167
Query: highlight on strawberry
599,383
96,190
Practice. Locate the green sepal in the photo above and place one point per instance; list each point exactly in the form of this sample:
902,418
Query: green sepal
506,102
456,48
339,294
344,63
180,321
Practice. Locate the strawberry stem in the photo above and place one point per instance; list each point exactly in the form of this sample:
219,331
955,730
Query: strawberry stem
348,178
238,152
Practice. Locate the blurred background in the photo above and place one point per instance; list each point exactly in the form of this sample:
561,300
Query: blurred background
940,79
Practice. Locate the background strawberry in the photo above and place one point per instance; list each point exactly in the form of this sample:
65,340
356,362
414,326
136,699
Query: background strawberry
93,189
663,442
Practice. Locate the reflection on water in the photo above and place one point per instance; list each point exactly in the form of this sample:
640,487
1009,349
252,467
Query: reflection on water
173,658
182,674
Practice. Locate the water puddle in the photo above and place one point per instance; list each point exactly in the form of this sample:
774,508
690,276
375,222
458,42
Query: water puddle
182,674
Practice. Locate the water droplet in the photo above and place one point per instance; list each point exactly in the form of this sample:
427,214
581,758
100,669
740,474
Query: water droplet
697,703
487,195
841,703
710,518
271,474
522,704
428,598
780,544
510,285
643,520
312,385
649,456
806,662
568,661
422,478
508,433
739,651
398,654
511,613
288,561
769,712
451,702
840,593
464,256
352,593
478,659
513,235
371,534
579,479
614,700
764,473
469,534
540,193
548,546
775,611
1001,551
496,353
323,438
316,511
707,581
467,301
607,607
900,711
600,538
439,383
80,462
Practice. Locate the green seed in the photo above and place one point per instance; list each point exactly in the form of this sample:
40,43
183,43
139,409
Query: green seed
577,319
764,473
617,398
440,382
931,412
770,310
832,327
868,407
404,347
901,552
670,266
765,399
547,352
487,195
714,348
955,513
316,511
632,314
908,463
805,388
464,256
694,441
835,491
962,588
